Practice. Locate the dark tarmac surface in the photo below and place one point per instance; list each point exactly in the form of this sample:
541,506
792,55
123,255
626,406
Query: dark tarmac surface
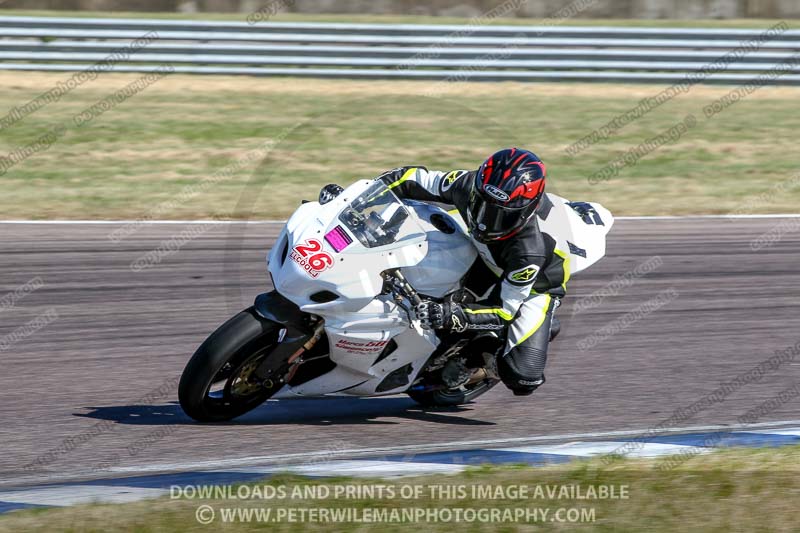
103,371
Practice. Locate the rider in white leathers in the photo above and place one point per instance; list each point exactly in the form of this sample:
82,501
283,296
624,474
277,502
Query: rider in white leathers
500,203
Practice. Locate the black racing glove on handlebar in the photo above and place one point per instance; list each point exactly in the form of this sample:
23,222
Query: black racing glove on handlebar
391,176
445,315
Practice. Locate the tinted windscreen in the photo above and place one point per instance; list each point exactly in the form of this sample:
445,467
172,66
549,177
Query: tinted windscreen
375,217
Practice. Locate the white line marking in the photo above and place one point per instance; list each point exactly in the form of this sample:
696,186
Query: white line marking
689,217
262,460
788,431
155,222
589,449
73,495
358,468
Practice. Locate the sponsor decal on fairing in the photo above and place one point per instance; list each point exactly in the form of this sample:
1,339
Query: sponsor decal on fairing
311,258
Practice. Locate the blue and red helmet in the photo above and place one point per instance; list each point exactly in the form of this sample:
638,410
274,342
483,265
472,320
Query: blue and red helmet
507,189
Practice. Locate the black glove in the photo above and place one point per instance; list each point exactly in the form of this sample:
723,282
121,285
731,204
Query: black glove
445,315
391,176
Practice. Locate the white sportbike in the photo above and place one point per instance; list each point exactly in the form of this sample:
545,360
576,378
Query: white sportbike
347,273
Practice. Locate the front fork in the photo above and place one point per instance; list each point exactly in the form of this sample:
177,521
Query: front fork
296,359
300,332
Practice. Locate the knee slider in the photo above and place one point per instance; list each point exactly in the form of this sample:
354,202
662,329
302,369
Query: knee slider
521,384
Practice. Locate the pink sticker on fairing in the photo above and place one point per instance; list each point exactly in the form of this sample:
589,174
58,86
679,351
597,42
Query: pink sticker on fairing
338,238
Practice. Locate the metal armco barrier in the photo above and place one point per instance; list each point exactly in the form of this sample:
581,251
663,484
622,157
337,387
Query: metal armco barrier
404,51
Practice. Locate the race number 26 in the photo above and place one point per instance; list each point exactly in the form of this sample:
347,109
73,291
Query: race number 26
310,256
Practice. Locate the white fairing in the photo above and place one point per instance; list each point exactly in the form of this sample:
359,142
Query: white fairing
450,255
320,250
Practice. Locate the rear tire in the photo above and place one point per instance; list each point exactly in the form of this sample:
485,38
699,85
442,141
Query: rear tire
452,397
239,344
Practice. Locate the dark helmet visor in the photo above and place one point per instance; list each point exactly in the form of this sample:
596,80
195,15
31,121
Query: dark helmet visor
490,221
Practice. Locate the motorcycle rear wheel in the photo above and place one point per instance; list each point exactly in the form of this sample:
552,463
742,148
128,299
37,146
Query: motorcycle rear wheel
452,397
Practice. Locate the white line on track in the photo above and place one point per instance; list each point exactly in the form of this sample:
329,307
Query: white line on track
422,448
713,217
153,222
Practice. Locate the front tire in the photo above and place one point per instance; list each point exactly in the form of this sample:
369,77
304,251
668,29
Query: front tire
219,381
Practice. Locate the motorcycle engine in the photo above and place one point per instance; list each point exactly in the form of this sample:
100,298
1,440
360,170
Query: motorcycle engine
455,372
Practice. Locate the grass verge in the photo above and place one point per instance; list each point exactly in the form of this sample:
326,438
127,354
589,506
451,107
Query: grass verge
156,153
732,490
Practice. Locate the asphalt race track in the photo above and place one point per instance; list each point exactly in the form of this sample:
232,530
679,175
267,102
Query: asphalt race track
94,389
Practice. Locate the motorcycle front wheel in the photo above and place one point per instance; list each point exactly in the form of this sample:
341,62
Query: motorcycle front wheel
219,382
